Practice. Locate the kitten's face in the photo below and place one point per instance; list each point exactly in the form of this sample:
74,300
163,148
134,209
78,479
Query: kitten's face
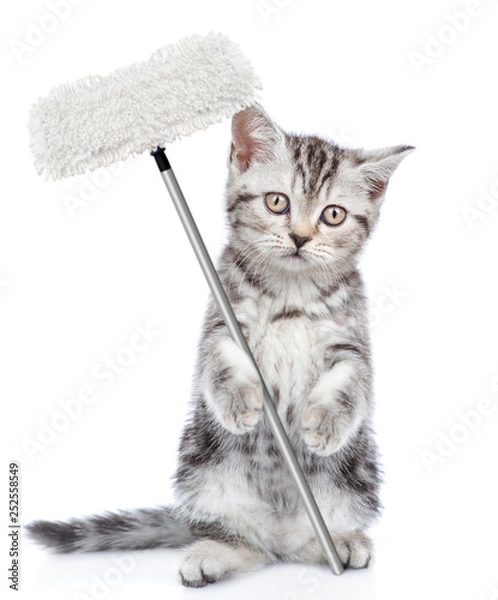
298,203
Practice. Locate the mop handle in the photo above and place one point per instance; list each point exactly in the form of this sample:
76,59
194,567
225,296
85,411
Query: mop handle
220,296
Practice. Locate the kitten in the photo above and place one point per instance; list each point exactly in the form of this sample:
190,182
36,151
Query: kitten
300,210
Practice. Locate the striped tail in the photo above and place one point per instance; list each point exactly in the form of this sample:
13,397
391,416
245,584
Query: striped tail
123,530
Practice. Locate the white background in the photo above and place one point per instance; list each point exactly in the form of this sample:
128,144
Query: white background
74,284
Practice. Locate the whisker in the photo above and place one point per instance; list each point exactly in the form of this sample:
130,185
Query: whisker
253,261
245,253
233,268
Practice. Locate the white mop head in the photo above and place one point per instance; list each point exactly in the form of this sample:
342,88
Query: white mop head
182,88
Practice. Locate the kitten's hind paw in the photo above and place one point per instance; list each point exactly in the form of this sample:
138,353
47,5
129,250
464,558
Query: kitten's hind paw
355,549
201,565
207,561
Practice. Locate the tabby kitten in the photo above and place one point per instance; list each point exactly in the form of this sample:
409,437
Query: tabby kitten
300,210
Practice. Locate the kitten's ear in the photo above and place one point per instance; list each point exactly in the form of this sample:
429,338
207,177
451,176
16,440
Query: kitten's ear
254,137
377,166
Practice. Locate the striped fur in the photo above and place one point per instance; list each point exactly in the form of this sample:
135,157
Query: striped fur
303,311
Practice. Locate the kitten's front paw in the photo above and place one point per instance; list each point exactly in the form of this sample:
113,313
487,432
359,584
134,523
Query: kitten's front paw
234,389
241,408
322,427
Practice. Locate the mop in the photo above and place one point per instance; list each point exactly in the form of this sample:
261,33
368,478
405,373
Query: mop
97,121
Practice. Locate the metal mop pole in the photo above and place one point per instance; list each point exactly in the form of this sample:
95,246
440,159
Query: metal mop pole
233,326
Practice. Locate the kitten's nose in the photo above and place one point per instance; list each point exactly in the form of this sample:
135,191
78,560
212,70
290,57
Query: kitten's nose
299,240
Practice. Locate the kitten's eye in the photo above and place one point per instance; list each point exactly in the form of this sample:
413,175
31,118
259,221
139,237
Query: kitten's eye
333,215
277,203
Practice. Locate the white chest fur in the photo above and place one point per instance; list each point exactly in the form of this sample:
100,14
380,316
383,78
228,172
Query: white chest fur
288,345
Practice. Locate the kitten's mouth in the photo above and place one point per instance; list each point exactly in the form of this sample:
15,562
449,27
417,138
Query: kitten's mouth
295,259
296,255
